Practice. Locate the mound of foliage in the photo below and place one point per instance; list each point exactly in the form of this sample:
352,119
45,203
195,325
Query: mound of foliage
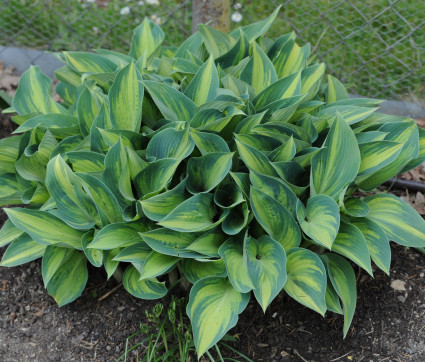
230,161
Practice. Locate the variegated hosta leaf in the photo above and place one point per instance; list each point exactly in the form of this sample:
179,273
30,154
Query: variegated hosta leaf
53,258
194,214
94,256
204,85
125,99
320,219
213,309
206,172
336,90
377,242
195,270
174,105
337,164
170,143
157,264
232,254
119,234
259,71
351,243
355,207
208,244
21,251
275,219
208,142
34,94
145,288
400,222
9,232
159,206
35,223
306,279
69,280
343,280
85,62
170,242
266,263
147,37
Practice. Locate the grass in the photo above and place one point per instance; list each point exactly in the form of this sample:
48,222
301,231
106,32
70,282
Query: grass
167,336
378,47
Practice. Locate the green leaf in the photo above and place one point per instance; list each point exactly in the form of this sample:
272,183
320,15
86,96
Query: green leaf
157,264
228,196
259,71
335,91
355,207
213,309
337,164
109,263
377,242
85,62
236,220
275,219
292,59
204,85
376,155
106,203
125,99
238,52
255,30
74,207
53,258
173,104
156,175
144,289
320,219
195,214
209,243
115,235
170,143
310,80
351,243
147,37
88,107
332,300
275,188
34,94
8,233
69,280
136,253
351,114
208,142
216,42
266,263
195,270
206,172
35,223
94,256
159,206
170,242
255,160
86,161
61,125
343,279
21,251
232,254
306,279
286,88
400,222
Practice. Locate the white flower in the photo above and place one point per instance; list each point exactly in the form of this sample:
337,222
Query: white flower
141,3
236,17
125,10
238,6
152,2
154,17
158,21
91,1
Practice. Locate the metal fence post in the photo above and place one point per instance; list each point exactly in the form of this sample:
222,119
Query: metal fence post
216,11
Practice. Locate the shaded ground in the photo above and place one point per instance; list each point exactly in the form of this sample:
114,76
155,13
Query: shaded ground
389,325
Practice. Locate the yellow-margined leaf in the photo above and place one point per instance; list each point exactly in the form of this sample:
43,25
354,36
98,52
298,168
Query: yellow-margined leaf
266,263
213,309
21,251
143,289
306,279
119,234
147,37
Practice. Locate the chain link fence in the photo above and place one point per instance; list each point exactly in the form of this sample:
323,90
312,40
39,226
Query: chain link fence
375,46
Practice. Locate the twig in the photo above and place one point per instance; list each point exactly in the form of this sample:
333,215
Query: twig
405,184
106,295
336,359
298,354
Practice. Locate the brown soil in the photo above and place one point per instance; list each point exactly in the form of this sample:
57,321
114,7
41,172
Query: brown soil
389,325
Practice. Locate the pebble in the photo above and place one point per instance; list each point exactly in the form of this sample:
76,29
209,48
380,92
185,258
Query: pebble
108,348
401,298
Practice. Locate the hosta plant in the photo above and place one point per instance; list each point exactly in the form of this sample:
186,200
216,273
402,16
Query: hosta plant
231,161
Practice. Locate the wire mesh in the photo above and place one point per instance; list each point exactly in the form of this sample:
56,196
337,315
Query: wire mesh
376,46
